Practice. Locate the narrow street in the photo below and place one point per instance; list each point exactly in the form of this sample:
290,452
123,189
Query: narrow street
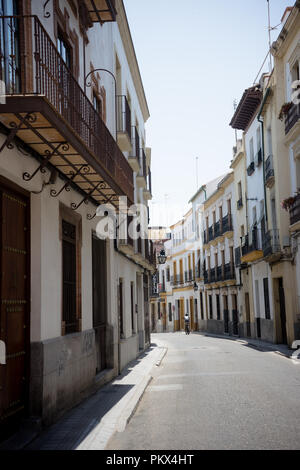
214,393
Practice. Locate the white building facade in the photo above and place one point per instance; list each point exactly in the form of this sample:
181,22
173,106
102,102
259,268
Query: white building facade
75,307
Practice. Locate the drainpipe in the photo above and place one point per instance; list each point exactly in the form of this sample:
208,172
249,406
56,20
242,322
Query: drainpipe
263,148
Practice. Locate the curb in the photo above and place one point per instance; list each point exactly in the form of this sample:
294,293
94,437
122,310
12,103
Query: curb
254,345
129,411
138,395
160,359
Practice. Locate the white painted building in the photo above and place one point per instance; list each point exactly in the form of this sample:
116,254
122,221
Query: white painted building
79,305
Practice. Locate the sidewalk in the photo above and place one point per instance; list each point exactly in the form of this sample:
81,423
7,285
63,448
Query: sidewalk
262,346
90,425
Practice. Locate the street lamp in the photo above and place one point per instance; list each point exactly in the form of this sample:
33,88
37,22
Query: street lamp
89,84
162,258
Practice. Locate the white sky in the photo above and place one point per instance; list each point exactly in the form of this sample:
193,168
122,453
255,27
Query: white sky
196,57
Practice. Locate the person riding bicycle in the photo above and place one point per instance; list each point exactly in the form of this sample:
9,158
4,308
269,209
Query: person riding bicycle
187,323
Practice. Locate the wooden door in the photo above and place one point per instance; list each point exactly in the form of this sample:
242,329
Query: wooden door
226,315
99,301
14,307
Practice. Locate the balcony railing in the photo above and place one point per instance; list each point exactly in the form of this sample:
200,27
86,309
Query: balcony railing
252,243
135,139
227,224
217,230
271,243
124,115
229,273
251,169
31,67
295,211
219,273
240,203
269,172
292,117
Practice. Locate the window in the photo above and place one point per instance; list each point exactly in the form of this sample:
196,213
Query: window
69,316
64,49
10,60
97,103
251,151
267,299
168,274
258,139
158,311
240,194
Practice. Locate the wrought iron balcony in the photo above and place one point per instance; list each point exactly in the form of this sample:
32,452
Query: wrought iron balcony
269,172
124,124
47,109
217,230
292,117
251,169
239,204
271,243
227,224
101,11
211,234
229,273
295,211
252,246
220,273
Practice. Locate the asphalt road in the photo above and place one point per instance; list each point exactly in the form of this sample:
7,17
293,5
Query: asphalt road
212,393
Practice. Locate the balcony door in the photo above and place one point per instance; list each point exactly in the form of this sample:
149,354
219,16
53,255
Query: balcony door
9,41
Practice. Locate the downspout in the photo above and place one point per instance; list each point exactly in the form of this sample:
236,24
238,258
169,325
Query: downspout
263,149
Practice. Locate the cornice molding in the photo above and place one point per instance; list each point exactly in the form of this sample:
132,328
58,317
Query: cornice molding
131,58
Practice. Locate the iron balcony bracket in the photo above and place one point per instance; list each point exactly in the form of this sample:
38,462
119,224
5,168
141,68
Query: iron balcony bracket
14,130
100,185
49,155
85,169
